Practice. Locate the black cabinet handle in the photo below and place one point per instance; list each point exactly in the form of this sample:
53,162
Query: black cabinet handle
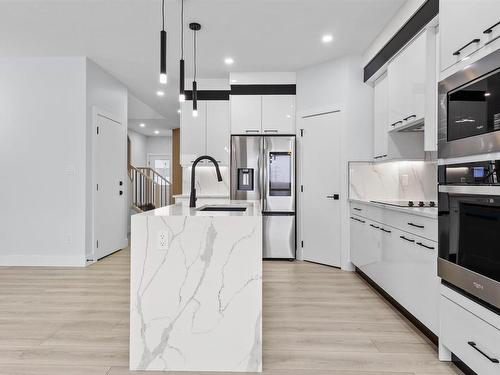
357,209
374,226
473,344
427,247
409,117
121,192
406,239
334,196
120,183
385,230
416,225
355,218
397,122
380,156
457,52
490,29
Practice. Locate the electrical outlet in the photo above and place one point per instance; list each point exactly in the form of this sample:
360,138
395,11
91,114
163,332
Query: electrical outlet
162,240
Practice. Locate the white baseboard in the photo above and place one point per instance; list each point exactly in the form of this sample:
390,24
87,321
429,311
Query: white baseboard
42,261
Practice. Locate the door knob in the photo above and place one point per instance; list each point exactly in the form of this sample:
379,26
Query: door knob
334,196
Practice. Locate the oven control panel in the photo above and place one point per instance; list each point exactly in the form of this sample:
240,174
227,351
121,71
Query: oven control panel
478,173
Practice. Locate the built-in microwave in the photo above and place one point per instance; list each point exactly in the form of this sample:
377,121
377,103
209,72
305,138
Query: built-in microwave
469,110
469,229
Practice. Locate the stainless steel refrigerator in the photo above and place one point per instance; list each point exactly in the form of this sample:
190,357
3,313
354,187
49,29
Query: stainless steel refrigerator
263,168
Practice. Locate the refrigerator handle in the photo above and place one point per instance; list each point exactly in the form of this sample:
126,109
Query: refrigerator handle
263,174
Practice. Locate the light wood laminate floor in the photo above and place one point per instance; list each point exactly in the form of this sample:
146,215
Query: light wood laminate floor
317,320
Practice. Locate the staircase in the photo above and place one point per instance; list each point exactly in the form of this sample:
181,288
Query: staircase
149,189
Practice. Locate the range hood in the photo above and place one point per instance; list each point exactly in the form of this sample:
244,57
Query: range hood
412,127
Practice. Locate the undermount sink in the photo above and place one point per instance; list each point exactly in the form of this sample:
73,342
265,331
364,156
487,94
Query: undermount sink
223,208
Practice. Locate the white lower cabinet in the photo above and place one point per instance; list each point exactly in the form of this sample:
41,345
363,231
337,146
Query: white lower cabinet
475,341
403,264
367,238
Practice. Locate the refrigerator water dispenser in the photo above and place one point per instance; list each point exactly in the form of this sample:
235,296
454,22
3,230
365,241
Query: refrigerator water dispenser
245,179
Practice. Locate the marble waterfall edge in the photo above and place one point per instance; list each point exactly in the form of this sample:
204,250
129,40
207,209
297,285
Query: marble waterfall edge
196,306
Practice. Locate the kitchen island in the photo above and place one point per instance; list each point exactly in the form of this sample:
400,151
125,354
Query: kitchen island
196,288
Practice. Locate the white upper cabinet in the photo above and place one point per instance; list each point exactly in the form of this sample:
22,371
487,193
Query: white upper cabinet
193,132
262,114
246,114
218,130
466,26
278,114
407,78
380,118
207,134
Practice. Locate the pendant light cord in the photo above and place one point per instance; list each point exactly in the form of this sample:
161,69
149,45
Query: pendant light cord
182,29
163,15
194,44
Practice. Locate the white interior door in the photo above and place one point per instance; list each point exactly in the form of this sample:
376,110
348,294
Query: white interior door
320,207
110,160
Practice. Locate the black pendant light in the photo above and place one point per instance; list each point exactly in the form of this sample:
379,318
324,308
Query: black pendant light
163,47
195,27
182,96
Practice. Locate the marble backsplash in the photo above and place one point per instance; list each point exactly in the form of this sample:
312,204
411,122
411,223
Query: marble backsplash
206,181
397,180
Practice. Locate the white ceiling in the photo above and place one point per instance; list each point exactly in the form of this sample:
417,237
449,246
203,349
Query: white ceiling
123,36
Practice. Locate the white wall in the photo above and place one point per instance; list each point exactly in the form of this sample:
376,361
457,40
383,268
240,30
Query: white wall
42,161
45,156
159,145
338,85
108,96
141,146
138,148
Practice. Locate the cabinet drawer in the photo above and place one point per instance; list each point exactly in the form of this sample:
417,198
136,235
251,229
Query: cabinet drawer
474,341
419,225
366,211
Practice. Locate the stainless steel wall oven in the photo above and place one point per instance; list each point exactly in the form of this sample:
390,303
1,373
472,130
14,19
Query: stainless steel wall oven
469,228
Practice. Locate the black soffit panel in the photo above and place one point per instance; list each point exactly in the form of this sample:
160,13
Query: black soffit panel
286,89
278,89
208,94
411,28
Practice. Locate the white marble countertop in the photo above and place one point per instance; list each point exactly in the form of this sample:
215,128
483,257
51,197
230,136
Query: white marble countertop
183,209
431,212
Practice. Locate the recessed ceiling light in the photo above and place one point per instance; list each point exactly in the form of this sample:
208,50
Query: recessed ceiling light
487,94
327,38
142,124
160,93
178,111
157,132
233,81
228,61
